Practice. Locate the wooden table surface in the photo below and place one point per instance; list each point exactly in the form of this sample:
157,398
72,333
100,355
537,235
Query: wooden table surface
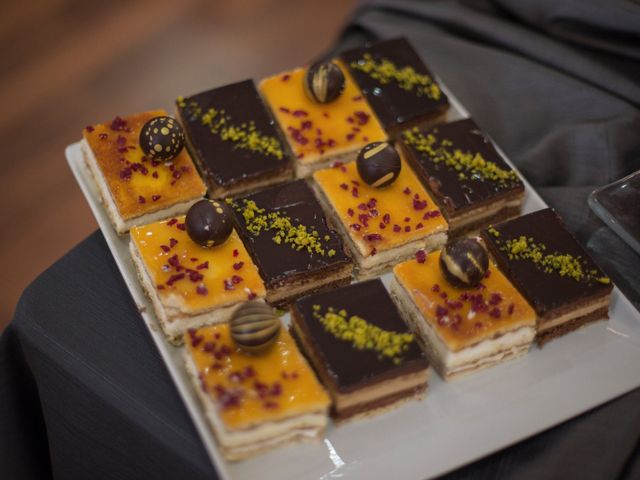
69,63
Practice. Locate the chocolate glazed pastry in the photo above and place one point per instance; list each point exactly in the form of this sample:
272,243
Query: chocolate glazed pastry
467,177
304,262
551,270
397,84
233,139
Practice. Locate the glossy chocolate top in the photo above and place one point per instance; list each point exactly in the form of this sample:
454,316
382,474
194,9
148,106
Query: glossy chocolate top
348,367
544,261
396,82
277,226
231,134
445,159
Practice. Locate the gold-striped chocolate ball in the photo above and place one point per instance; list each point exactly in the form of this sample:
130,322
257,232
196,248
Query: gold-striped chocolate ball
162,138
464,262
208,223
254,326
324,82
378,164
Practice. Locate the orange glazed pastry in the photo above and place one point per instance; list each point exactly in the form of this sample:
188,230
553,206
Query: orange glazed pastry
254,402
382,226
134,188
190,285
464,330
320,133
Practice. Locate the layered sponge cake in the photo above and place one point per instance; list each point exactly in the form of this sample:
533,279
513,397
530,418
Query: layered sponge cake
190,285
136,189
463,329
254,402
552,271
364,353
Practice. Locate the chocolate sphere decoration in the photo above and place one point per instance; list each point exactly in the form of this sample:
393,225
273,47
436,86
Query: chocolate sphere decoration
378,164
208,223
324,82
464,262
162,138
254,326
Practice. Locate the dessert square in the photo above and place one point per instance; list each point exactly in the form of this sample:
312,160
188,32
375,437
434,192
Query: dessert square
463,330
189,285
397,84
233,139
553,272
467,177
382,226
317,133
363,352
134,189
289,239
254,402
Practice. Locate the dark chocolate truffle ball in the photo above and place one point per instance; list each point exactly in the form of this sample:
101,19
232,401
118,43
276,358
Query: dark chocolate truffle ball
254,326
324,82
162,138
464,262
378,164
208,223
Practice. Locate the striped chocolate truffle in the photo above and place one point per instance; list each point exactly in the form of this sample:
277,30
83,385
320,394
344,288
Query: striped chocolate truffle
324,82
378,164
464,262
254,326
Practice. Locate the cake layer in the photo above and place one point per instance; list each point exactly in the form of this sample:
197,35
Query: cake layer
396,83
137,185
461,169
233,139
489,214
572,324
573,312
318,132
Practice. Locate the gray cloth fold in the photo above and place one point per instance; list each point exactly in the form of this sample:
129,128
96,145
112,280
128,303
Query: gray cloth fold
556,84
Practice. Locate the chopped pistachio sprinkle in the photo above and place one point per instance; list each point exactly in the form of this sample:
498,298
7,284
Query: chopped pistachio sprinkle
298,237
244,136
385,71
363,335
563,264
467,164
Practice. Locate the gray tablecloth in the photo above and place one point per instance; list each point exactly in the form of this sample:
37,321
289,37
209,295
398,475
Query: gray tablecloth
83,392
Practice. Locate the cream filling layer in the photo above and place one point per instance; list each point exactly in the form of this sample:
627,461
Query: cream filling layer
475,215
310,424
448,359
306,284
579,312
124,225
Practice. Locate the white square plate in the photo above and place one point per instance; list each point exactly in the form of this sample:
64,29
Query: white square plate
457,422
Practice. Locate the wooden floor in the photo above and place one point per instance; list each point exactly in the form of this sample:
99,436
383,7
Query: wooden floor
69,63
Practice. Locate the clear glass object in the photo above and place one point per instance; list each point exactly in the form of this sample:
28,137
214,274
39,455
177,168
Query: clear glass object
618,205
